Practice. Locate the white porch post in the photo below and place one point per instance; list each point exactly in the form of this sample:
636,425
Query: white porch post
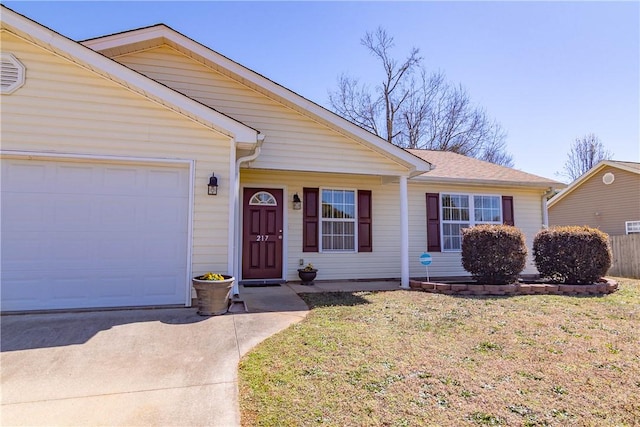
404,234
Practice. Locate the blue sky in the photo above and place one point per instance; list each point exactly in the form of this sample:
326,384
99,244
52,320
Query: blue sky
549,72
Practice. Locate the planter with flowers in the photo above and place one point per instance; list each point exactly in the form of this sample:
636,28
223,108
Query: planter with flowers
213,292
307,274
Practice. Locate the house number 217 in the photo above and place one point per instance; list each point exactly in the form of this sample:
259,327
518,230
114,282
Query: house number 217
261,238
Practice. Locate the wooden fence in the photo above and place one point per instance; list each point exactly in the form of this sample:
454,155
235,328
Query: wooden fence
626,256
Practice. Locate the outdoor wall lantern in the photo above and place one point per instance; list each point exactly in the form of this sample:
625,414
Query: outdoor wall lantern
213,185
297,203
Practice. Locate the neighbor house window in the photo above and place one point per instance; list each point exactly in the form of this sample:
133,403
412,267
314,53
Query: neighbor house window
462,211
338,218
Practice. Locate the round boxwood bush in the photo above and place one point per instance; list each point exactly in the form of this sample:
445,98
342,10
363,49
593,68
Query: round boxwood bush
580,255
494,254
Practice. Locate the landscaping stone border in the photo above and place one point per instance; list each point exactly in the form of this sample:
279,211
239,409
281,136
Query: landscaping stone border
604,286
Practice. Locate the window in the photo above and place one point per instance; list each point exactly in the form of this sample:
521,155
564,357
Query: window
462,211
632,227
338,230
262,198
337,220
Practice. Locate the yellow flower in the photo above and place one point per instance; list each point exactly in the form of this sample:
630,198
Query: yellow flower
212,276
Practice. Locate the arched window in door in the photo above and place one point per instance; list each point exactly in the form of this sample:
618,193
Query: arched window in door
263,198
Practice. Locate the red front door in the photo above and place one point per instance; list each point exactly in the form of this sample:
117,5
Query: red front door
262,234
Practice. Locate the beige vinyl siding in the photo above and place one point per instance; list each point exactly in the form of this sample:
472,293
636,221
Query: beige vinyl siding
63,108
293,141
595,204
383,262
527,214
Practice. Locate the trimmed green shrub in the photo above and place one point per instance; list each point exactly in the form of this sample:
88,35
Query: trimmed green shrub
572,254
494,254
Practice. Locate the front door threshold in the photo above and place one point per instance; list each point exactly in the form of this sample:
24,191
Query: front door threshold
254,283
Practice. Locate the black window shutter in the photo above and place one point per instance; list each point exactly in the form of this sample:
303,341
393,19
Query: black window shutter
310,221
433,222
507,210
365,221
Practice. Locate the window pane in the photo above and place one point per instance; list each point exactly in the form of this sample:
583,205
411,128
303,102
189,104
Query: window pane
452,235
326,196
349,228
487,209
349,197
350,211
338,228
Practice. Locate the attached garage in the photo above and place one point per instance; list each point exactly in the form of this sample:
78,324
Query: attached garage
84,233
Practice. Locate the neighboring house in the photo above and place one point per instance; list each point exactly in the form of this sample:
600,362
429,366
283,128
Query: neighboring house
606,197
108,146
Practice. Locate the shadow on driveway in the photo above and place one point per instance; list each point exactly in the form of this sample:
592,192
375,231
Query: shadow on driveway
31,331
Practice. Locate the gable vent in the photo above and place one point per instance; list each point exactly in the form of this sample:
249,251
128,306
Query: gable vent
11,73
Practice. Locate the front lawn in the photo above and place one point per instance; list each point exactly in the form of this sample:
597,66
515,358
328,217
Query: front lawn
408,358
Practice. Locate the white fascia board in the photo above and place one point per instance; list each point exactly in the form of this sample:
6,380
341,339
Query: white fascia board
127,37
136,82
415,165
486,182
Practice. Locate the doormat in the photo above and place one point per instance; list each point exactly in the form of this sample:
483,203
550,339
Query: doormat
260,285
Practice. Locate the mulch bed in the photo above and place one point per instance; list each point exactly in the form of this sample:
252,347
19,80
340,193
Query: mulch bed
604,286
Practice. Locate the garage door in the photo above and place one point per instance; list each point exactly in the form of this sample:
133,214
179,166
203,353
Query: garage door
86,234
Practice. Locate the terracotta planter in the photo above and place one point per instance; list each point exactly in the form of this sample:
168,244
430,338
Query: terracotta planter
213,295
307,276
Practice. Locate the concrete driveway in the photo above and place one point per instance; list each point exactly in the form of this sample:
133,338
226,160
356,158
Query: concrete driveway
160,367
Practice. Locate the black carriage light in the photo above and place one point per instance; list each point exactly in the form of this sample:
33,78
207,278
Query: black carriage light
213,185
297,203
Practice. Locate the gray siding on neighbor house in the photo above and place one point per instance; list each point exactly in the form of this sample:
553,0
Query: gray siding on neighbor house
595,204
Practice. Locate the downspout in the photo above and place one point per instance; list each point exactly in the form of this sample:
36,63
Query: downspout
235,226
545,210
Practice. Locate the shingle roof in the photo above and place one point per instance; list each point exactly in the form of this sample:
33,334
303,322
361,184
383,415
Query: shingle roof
451,166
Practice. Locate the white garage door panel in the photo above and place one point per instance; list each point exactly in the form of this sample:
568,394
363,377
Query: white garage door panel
93,234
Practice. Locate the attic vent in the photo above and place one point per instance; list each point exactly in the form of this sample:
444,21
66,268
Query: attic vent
12,73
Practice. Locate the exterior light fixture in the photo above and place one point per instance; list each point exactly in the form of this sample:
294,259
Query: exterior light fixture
297,203
213,185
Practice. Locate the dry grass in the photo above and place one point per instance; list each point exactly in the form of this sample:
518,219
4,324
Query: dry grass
408,358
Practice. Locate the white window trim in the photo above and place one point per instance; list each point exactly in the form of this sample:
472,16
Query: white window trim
472,222
322,220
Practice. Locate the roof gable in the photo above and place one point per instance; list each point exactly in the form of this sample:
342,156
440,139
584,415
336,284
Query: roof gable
632,167
158,35
453,167
89,59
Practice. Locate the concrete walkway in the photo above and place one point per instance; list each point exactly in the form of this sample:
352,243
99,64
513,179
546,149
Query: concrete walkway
160,367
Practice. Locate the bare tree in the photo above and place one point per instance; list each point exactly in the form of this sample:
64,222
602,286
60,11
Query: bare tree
412,108
585,153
